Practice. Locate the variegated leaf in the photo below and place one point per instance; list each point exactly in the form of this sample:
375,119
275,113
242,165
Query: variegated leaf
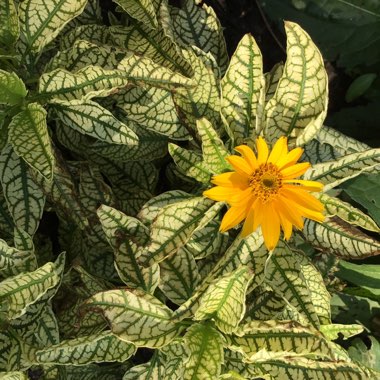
136,317
283,273
153,369
91,118
172,228
41,21
299,106
205,347
176,357
179,276
316,152
154,108
335,331
154,44
141,10
293,368
333,173
12,88
271,81
28,134
200,27
24,197
23,290
340,238
9,23
241,88
125,235
13,375
224,300
279,336
98,348
336,207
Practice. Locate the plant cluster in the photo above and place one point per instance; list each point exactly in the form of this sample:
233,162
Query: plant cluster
112,261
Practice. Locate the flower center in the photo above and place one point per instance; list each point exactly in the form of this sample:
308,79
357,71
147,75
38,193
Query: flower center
266,182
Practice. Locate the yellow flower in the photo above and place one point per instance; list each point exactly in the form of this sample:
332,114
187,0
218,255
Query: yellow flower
264,191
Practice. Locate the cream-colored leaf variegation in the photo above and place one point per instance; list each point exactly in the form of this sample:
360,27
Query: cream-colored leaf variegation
141,10
9,23
125,235
24,197
299,105
136,317
12,88
241,86
21,291
350,214
13,375
41,21
333,173
29,137
89,117
200,27
172,228
205,347
97,348
224,300
175,358
335,331
340,238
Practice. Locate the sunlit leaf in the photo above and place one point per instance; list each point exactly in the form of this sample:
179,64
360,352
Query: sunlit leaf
12,88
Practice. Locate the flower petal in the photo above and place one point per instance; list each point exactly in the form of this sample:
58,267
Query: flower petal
291,214
262,151
295,171
248,155
241,198
286,225
249,221
305,212
240,165
290,159
305,185
270,227
221,193
297,194
279,150
232,218
231,179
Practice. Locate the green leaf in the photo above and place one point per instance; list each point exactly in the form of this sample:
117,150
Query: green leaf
90,118
224,300
135,317
30,139
9,23
24,197
336,331
98,348
336,207
172,228
153,369
141,10
205,346
358,351
13,375
42,21
359,86
332,174
179,276
364,275
241,87
12,88
200,27
176,357
340,238
23,290
299,106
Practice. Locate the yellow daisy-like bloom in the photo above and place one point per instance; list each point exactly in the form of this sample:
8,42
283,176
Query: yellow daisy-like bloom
264,191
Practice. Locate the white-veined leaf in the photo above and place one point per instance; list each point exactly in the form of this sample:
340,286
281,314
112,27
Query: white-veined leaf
9,23
98,348
136,317
336,331
172,228
333,173
299,106
24,197
12,88
153,369
141,10
179,276
125,235
340,238
316,152
23,290
30,139
336,207
13,375
41,21
175,359
200,27
205,347
241,88
224,300
91,118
